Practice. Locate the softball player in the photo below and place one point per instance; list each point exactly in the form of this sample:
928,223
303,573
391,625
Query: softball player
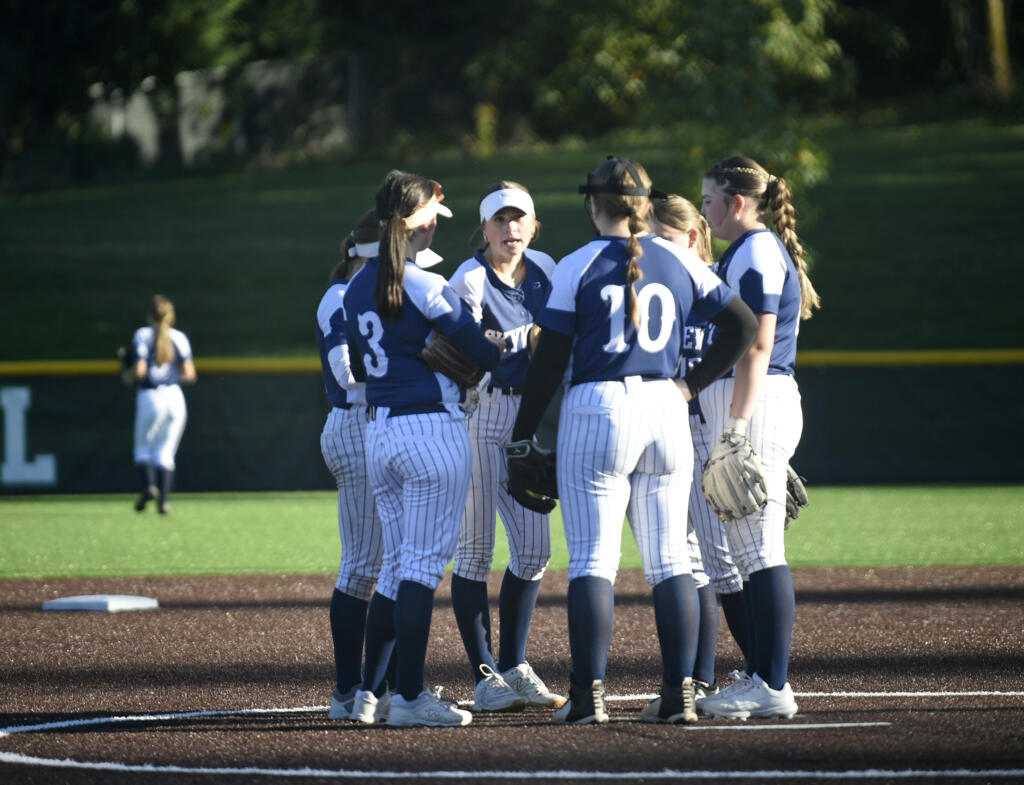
738,198
418,451
163,362
717,576
616,311
505,284
343,444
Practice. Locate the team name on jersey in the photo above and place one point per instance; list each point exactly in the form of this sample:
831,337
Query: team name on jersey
515,339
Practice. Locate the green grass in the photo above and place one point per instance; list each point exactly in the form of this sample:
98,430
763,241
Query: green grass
293,533
909,229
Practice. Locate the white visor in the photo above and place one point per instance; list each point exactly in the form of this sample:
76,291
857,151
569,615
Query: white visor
506,197
365,250
427,258
424,214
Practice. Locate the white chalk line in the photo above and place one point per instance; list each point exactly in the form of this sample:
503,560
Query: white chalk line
665,774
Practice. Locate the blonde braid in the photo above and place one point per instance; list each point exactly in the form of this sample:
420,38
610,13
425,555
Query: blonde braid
633,271
778,201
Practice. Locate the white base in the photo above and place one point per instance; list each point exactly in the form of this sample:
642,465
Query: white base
110,603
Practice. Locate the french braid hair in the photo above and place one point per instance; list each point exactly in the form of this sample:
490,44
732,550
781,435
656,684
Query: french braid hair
678,213
615,172
741,175
161,316
367,230
397,198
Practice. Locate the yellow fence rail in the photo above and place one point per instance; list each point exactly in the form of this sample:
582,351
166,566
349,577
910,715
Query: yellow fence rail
268,365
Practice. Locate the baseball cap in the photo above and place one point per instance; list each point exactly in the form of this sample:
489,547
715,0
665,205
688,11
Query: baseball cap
506,197
426,211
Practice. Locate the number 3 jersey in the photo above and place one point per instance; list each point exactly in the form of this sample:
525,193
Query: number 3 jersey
389,351
588,301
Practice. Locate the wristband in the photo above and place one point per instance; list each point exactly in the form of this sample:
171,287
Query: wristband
736,425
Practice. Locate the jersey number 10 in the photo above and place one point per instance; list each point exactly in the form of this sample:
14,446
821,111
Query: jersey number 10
615,296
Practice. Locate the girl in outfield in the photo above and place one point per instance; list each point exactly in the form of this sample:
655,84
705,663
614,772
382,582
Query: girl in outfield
677,220
617,311
343,444
418,451
760,399
505,284
163,362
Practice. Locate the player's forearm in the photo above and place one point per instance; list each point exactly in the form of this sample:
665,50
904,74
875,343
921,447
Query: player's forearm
751,372
547,368
481,352
736,327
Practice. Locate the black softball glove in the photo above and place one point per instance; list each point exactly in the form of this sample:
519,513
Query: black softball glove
531,475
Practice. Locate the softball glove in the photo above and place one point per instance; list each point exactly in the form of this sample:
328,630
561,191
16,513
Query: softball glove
443,356
796,494
733,479
531,475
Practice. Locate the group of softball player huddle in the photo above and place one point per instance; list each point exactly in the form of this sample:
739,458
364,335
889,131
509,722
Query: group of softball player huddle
659,353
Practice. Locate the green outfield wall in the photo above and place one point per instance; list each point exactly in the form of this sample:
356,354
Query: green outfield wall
254,424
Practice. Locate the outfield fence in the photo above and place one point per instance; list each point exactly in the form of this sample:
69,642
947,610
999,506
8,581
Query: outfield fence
254,423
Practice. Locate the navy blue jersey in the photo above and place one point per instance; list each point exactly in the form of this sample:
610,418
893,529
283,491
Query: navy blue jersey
340,385
389,351
758,266
588,301
505,311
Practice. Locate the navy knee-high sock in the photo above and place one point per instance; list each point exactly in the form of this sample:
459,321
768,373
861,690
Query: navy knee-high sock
413,608
774,611
473,617
516,604
380,644
591,605
707,636
166,482
734,608
348,623
147,475
677,618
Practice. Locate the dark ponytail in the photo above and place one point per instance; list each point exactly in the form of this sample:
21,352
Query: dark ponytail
367,230
397,198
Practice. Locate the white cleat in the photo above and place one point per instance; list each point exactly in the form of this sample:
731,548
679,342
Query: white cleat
341,704
368,708
757,700
428,709
492,693
528,685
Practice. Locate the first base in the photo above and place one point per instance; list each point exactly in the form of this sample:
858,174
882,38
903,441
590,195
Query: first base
111,603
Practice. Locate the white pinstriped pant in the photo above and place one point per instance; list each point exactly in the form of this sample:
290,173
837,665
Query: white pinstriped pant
419,467
529,534
708,535
757,541
343,444
160,417
624,451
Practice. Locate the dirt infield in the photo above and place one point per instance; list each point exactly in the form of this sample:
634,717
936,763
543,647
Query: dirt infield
900,674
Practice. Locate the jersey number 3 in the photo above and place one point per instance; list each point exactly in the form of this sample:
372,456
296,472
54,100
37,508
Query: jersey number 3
371,328
615,296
